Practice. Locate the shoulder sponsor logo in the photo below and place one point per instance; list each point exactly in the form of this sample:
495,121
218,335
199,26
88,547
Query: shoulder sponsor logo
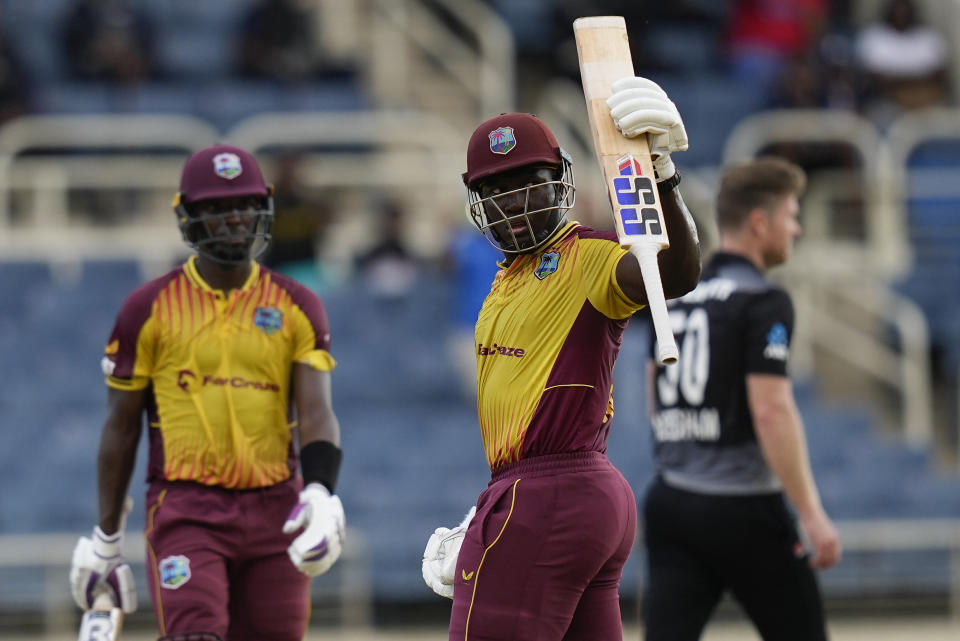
192,384
549,262
778,347
466,575
269,319
501,350
174,571
108,362
502,140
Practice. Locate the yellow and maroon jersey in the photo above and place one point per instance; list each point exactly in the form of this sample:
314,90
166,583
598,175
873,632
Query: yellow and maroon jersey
219,371
546,339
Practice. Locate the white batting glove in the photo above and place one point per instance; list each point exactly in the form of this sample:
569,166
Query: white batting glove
640,106
98,567
321,515
440,556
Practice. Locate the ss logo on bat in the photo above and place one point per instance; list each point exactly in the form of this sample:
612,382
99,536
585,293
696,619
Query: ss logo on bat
633,192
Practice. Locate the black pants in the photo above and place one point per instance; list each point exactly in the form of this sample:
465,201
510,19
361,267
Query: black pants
699,546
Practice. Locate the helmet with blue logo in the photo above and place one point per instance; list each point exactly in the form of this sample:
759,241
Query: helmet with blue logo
224,207
505,143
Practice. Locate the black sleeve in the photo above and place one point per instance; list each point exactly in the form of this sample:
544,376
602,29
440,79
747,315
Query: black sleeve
769,329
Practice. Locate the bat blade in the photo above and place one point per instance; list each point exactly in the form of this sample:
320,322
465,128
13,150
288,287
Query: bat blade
101,623
603,49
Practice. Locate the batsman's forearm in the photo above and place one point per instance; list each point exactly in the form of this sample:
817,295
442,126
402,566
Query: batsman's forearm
115,462
680,264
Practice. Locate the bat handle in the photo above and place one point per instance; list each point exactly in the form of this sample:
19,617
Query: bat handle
103,601
666,345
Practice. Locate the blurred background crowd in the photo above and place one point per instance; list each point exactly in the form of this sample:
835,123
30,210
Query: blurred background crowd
359,111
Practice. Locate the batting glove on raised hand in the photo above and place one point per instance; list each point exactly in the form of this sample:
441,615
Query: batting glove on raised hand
440,556
321,515
640,106
98,567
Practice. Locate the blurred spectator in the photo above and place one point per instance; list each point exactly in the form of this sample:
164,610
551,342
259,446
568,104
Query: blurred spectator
108,40
473,262
905,62
764,35
278,41
301,221
649,27
15,91
388,268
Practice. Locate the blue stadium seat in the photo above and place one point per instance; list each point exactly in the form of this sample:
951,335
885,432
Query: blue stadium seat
413,454
711,106
33,28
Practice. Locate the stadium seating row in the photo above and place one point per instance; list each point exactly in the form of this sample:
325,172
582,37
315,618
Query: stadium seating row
414,457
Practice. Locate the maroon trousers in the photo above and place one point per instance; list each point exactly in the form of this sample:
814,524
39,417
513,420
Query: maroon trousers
543,556
217,562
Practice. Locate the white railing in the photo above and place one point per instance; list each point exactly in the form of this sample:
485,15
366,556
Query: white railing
407,38
114,132
886,251
851,272
905,369
905,135
884,536
891,535
399,150
347,590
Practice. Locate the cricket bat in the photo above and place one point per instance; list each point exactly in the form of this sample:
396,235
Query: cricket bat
104,620
604,53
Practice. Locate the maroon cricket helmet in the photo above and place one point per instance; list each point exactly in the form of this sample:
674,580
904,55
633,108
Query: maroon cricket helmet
509,141
221,171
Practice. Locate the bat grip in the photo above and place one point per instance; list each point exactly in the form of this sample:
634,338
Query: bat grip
666,345
103,601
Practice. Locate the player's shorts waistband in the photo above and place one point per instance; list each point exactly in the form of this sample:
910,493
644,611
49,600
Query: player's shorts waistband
552,464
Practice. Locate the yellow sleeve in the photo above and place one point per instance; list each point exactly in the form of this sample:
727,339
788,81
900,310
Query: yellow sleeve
599,259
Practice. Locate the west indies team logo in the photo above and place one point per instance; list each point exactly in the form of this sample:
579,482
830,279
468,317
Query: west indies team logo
502,140
227,165
269,319
549,261
174,571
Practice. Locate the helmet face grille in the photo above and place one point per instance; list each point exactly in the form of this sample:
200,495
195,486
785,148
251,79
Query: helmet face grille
228,237
528,241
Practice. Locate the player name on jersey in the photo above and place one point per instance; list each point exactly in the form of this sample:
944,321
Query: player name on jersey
713,289
686,425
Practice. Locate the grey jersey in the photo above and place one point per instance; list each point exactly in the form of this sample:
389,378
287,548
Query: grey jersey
735,323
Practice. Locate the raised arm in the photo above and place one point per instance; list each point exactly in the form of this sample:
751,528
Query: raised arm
679,265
